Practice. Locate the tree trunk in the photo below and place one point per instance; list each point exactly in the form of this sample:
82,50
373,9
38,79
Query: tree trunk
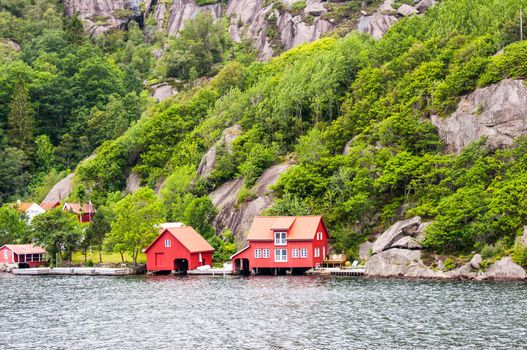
85,256
134,256
122,257
100,255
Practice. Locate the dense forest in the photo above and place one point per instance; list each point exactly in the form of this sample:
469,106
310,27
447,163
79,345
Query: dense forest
64,97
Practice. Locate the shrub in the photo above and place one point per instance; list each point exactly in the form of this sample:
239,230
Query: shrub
449,264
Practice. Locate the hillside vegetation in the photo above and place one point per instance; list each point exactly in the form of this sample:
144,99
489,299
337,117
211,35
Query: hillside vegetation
376,97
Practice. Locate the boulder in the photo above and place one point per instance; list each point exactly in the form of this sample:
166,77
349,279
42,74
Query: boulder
475,262
397,231
376,25
365,250
497,112
504,269
464,272
163,91
314,8
424,5
407,242
406,10
399,263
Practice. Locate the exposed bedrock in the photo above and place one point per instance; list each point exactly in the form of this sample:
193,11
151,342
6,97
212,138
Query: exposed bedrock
497,112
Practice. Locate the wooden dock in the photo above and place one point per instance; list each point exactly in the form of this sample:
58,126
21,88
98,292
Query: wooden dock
356,271
210,272
74,271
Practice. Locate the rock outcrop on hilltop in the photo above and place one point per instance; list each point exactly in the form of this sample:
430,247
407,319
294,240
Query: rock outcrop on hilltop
61,190
398,253
497,112
258,20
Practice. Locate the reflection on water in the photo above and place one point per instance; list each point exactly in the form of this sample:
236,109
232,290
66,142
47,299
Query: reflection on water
168,312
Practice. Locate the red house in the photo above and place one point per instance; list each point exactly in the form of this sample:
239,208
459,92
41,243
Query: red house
22,255
280,244
85,212
178,249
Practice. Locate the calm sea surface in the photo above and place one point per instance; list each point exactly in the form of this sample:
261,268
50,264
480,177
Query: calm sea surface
258,313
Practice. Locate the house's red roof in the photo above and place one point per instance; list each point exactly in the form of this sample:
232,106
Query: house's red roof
299,227
25,249
49,205
187,236
78,208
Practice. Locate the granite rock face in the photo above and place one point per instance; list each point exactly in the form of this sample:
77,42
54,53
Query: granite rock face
239,216
61,190
208,161
497,112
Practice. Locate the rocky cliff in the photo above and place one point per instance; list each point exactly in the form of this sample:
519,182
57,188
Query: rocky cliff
272,26
497,112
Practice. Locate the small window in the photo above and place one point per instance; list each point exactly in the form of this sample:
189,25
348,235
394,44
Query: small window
316,253
320,235
280,255
294,253
168,243
279,238
257,253
303,253
266,253
6,254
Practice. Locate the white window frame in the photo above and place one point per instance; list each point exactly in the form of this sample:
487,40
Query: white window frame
303,253
266,253
282,257
6,255
280,238
320,236
294,253
168,243
316,253
257,253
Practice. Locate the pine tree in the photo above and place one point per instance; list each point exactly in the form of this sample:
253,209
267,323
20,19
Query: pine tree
20,120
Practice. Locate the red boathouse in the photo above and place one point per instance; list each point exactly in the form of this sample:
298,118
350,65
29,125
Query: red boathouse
178,249
22,255
280,244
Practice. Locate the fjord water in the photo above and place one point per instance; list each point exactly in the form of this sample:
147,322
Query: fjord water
306,312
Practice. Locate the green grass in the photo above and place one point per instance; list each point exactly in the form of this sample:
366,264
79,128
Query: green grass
107,258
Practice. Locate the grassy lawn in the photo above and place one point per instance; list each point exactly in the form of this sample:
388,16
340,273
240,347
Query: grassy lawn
107,258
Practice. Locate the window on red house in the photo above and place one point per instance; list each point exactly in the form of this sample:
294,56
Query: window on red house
279,238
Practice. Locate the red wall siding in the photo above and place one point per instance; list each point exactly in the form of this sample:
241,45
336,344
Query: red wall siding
176,251
310,261
9,256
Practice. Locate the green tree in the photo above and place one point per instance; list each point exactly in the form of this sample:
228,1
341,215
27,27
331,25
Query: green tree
199,214
45,153
14,174
136,217
20,120
58,232
98,228
13,228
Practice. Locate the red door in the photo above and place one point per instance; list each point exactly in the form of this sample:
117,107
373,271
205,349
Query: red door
160,257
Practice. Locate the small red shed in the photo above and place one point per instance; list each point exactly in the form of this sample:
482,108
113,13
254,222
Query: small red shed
85,212
22,255
280,244
178,249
